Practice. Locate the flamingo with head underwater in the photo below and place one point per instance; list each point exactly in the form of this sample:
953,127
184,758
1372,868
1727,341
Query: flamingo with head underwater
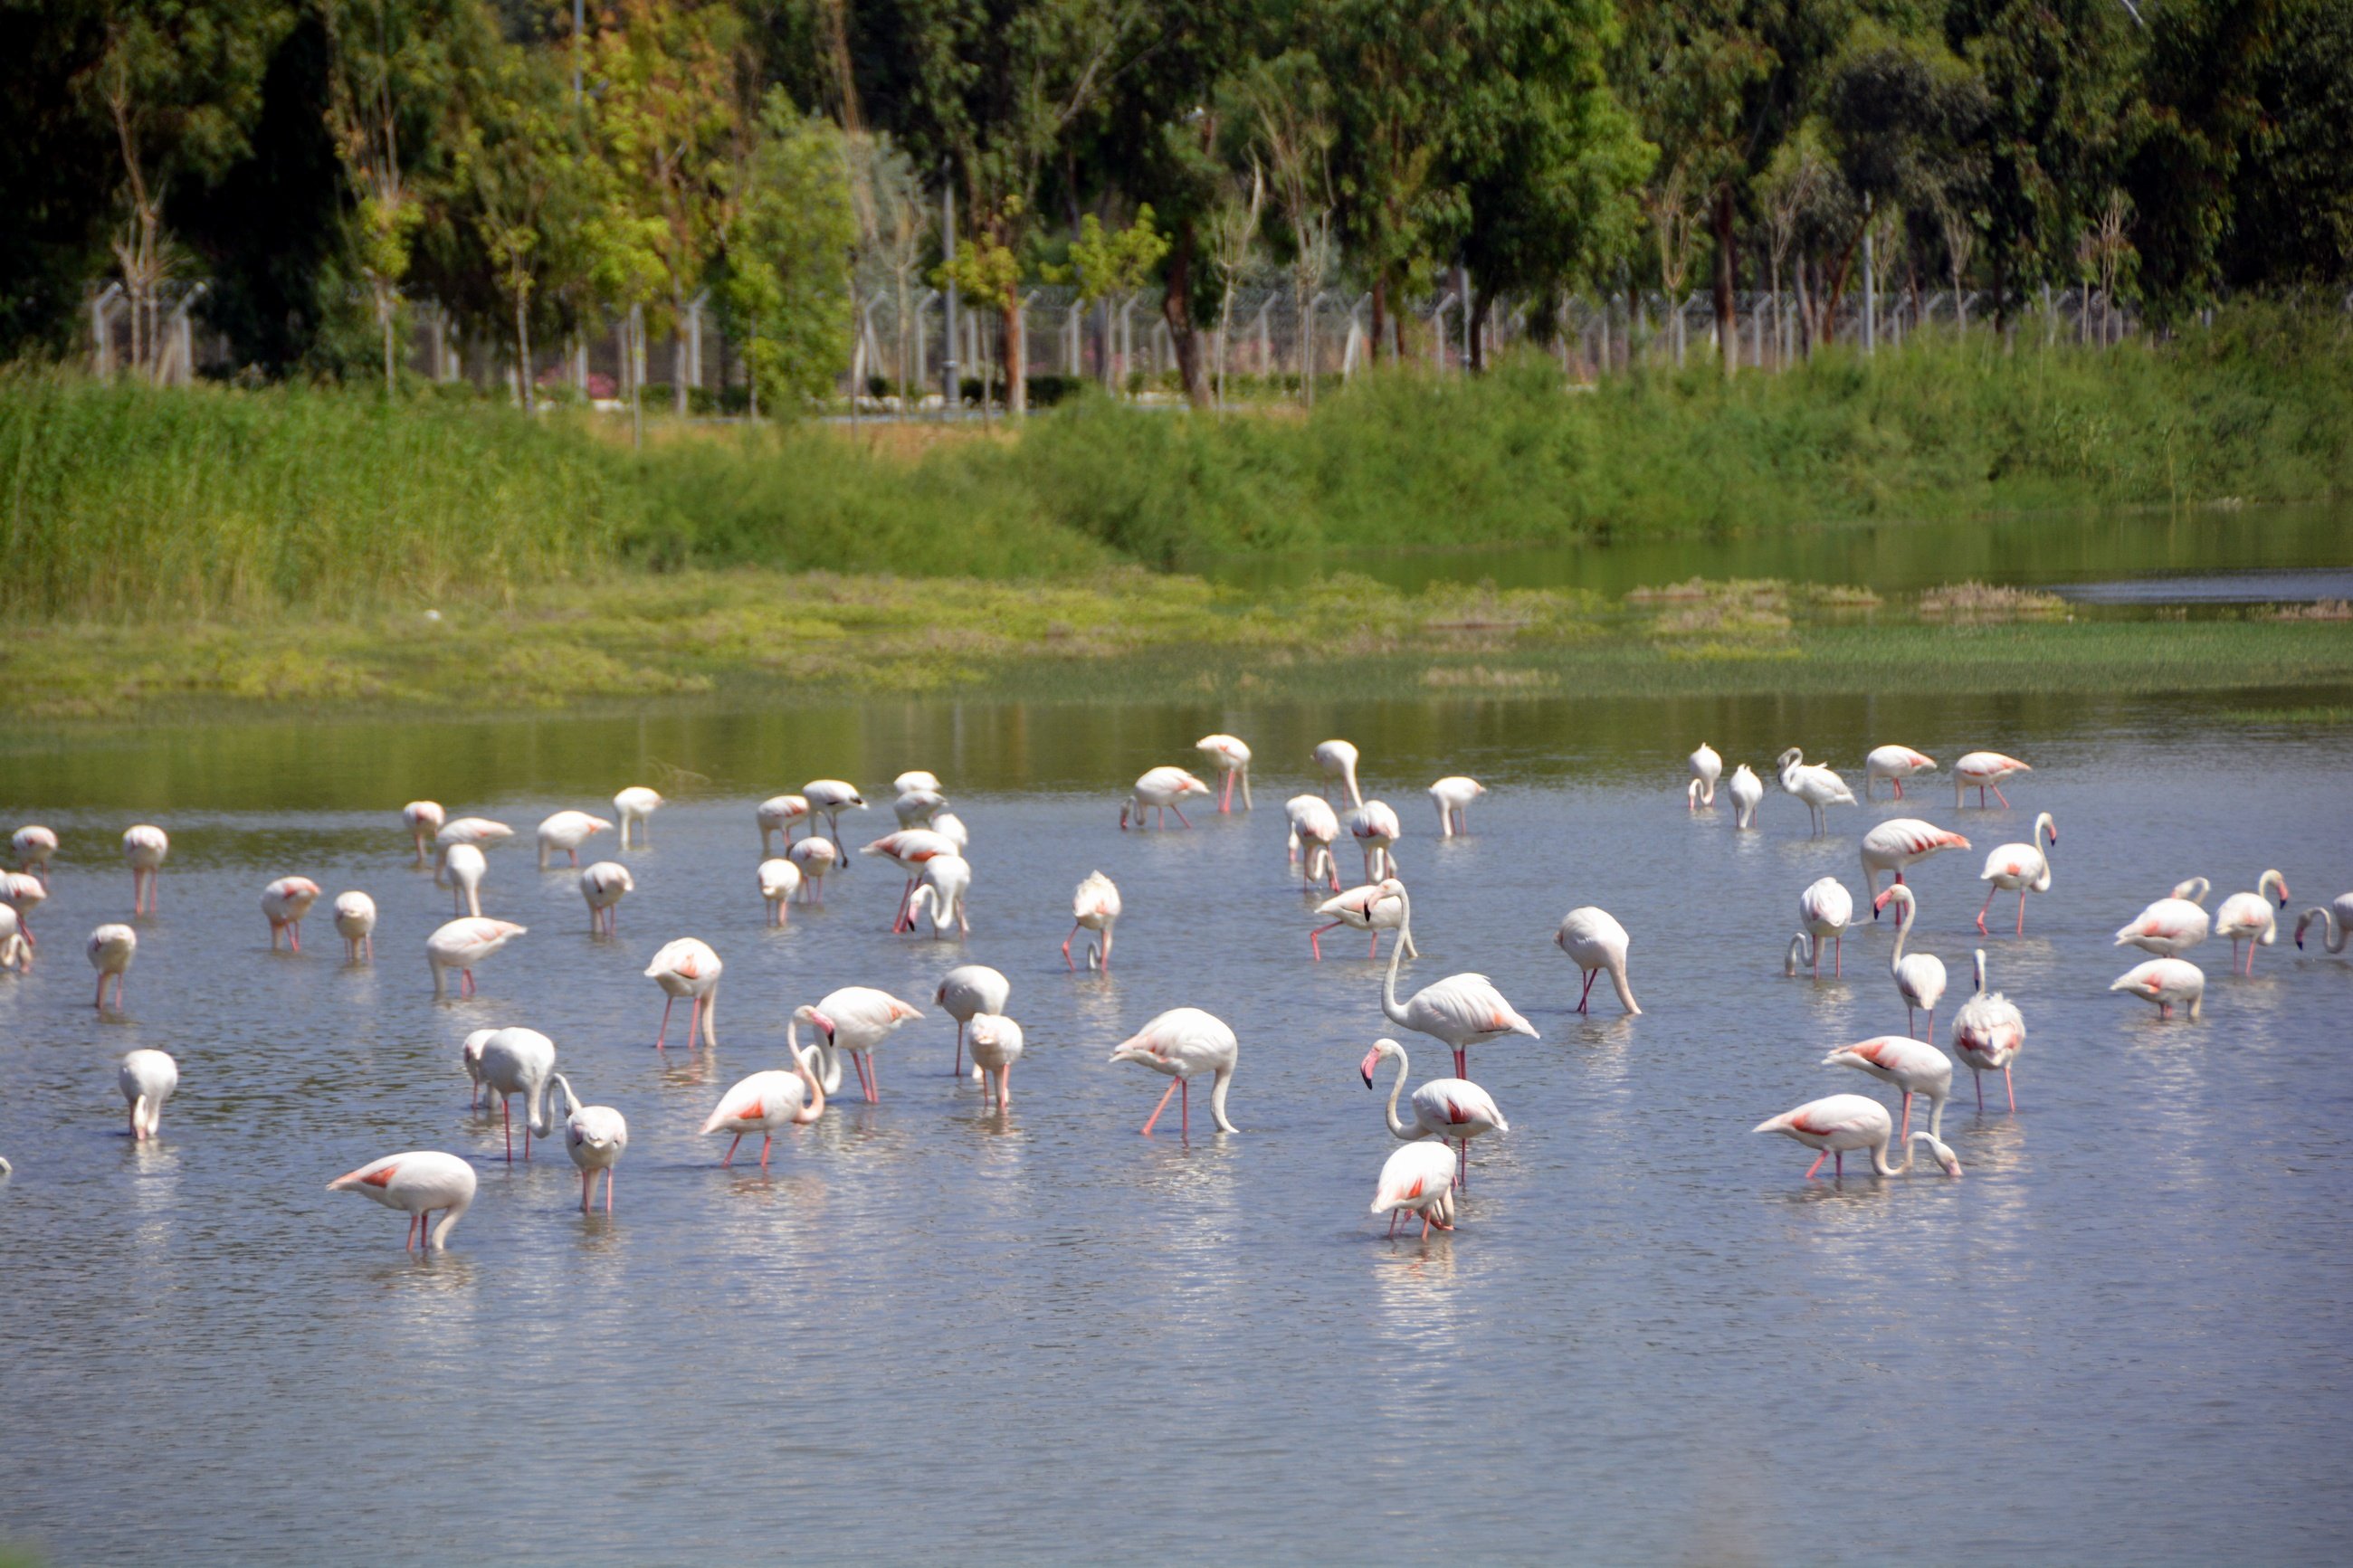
1825,908
1839,1124
1231,758
1183,1043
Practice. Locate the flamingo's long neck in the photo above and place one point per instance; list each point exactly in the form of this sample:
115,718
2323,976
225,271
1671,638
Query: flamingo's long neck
450,1219
1397,952
570,1100
1224,1079
535,1115
816,1106
1396,1089
1902,930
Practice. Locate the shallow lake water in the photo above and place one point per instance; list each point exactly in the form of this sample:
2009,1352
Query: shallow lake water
2124,1334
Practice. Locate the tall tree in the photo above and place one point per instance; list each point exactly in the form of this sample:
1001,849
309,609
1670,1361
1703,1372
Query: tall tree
788,253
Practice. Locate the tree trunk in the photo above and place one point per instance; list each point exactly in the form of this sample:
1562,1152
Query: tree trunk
1727,260
1482,301
1177,310
1805,312
1016,360
1380,310
678,357
384,313
522,352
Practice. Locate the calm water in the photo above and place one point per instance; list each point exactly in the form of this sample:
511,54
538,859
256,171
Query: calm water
2124,1336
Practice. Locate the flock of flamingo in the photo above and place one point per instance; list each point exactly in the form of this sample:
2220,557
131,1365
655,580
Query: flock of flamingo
1424,1179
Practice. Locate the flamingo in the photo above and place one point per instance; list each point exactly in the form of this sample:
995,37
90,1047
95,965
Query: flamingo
423,819
854,1019
764,1102
996,1047
1161,790
479,831
1451,1110
2336,919
602,887
1231,758
1825,908
144,847
1983,771
918,806
1418,1179
594,1136
1900,842
815,857
2020,869
1095,905
567,831
1913,1067
830,799
463,944
520,1061
2173,924
1184,1042
34,845
1919,979
23,893
1462,1010
779,880
16,952
284,903
147,1079
2248,917
112,948
1375,828
1747,794
1816,786
2167,982
1453,796
1338,761
1840,1122
465,865
966,992
1364,909
950,826
909,850
688,968
1707,767
1593,937
1314,824
777,814
1893,763
356,923
634,807
1988,1032
945,880
417,1184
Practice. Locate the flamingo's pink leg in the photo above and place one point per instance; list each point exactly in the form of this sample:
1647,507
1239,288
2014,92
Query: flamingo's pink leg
1905,1136
588,1178
957,1070
608,1189
1978,1078
1838,956
1185,1109
2021,911
2010,1089
1899,788
1161,1107
1998,796
1377,945
765,1139
1840,1167
1067,962
1989,904
730,1151
663,1033
1584,995
1393,1219
693,1020
506,1119
1180,816
1315,938
1817,1165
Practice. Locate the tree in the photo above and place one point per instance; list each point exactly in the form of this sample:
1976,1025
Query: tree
894,227
1232,230
789,247
1284,101
1105,262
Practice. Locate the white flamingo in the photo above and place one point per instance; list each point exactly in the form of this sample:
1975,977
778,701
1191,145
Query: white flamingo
2248,918
423,819
1231,758
356,923
950,826
779,880
23,893
777,814
1913,1067
520,1061
1451,1110
945,881
602,887
1314,828
1707,767
594,1136
914,779
830,799
1593,938
1462,1010
144,847
965,992
1095,907
1747,794
2172,925
35,846
1163,790
634,807
1364,908
688,968
1988,1032
2020,869
1452,795
147,1078
816,856
1418,1179
1818,786
1983,771
469,1056
918,806
1900,842
909,850
1920,978
1893,763
566,831
112,948
851,1021
1376,830
1338,761
2170,982
767,1103
417,1184
16,952
463,944
2335,919
464,865
996,1047
284,903
1183,1043
1825,908
479,831
1839,1124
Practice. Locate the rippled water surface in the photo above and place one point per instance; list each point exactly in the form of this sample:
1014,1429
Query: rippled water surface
2124,1335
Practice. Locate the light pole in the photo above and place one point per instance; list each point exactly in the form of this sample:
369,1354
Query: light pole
951,388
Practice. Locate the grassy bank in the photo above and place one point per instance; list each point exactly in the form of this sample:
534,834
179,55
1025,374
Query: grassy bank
122,501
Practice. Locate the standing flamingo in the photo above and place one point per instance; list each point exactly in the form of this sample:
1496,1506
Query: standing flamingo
1376,830
1818,786
968,991
1418,1179
144,847
914,779
1366,908
479,831
2020,869
779,880
950,826
1314,828
918,806
1451,1110
1593,937
1900,842
470,1057
1231,758
1914,1067
520,1061
2167,982
830,799
1840,1122
112,948
1453,796
815,857
1161,790
423,819
767,1101
23,893
909,850
464,865
284,903
1747,794
1338,761
16,952
147,1078
634,807
1988,1032
1462,1010
1707,767
35,846
2247,917
1183,1043
1095,905
567,831
463,944
417,1183
852,1021
945,881
1893,763
356,923
602,887
1919,979
594,1136
688,968
1983,771
2172,925
996,1047
777,814
1825,908
2336,919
